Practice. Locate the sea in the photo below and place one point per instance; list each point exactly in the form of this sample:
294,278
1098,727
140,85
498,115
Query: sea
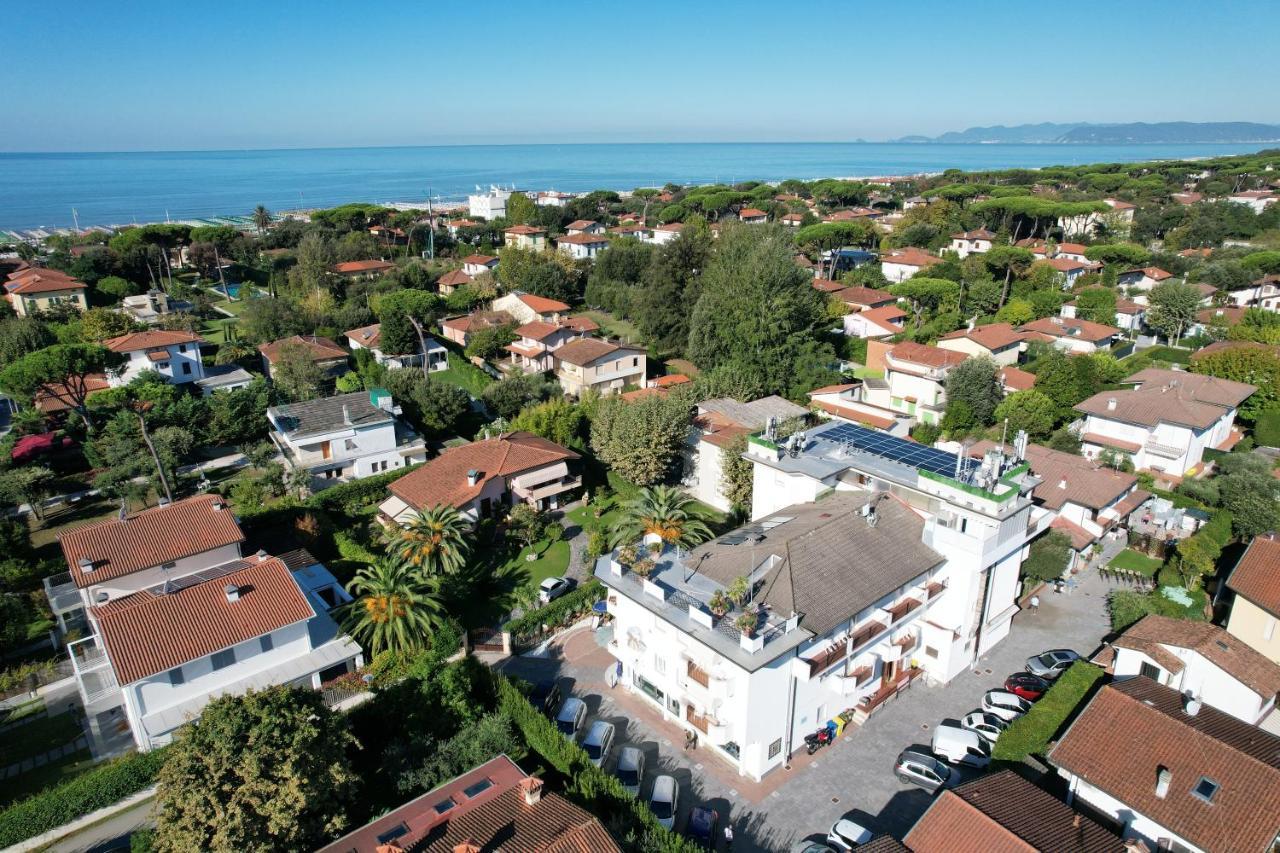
62,190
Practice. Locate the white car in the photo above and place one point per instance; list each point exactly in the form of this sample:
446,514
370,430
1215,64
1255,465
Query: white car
846,835
1005,705
570,716
552,588
598,742
985,725
664,800
630,769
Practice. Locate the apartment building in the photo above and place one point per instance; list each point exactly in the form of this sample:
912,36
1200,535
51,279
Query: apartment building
176,616
914,383
717,424
174,355
604,366
488,206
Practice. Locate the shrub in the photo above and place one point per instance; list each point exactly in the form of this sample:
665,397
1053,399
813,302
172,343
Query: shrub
350,498
1127,607
99,788
19,675
1030,734
563,611
1267,428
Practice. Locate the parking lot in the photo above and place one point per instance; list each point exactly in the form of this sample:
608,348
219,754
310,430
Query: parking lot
853,777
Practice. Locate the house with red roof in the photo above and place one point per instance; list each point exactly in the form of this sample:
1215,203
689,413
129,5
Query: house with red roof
844,402
526,307
1117,220
914,382
531,351
525,237
176,615
1070,269
605,366
175,355
880,322
972,242
1259,200
460,329
752,215
1254,584
485,478
901,264
474,265
370,338
582,247
661,234
1072,335
327,355
451,281
584,226
997,341
362,270
1130,315
1142,278
34,289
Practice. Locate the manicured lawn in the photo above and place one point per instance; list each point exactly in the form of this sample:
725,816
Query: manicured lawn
611,326
868,373
465,375
553,562
235,306
215,331
1132,561
33,781
38,736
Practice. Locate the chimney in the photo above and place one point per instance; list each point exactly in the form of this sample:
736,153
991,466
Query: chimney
1164,778
262,555
467,846
346,415
1062,484
217,506
1111,404
86,565
532,790
232,591
473,477
1190,704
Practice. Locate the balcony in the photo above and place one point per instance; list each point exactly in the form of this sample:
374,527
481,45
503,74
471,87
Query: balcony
1166,450
840,650
933,589
546,489
886,692
867,633
698,674
62,593
900,610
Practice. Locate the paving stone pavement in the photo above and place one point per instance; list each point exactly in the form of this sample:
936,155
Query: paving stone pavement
851,778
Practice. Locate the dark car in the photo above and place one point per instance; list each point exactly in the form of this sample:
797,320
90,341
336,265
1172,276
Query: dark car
702,825
1028,686
546,696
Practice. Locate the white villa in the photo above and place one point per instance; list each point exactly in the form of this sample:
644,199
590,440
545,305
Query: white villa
174,355
370,338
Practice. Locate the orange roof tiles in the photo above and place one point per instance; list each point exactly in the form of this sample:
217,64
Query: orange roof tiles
914,353
1257,575
321,349
524,230
1065,327
852,414
57,397
868,296
454,278
149,538
356,267
1017,378
146,340
992,336
367,336
583,351
481,260
541,304
911,257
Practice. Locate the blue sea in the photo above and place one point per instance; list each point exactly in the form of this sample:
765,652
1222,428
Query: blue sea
40,190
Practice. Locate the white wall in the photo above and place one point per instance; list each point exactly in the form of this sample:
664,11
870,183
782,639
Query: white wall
117,587
1135,825
180,356
1208,682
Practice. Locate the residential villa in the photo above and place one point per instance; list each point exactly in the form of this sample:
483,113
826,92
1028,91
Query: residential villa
635,230
525,237
493,807
1130,315
902,264
583,226
175,616
174,355
532,350
604,366
1015,379
752,215
345,437
370,338
1165,422
328,356
35,289
845,402
451,281
662,234
1197,659
1143,278
1070,269
1255,603
914,382
972,242
716,425
997,341
860,299
488,206
882,322
584,246
1171,771
485,478
1263,293
152,307
526,308
1258,200
1072,335
362,270
460,329
474,265
551,198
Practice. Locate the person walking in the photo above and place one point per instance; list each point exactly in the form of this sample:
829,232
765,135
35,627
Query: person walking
728,838
1035,604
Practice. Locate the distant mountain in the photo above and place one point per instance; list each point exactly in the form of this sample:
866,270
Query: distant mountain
1184,132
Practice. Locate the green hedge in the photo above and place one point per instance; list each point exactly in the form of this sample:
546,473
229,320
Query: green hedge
101,787
1030,734
563,611
627,817
350,498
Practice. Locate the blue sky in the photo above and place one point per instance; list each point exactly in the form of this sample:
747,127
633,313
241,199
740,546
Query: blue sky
161,76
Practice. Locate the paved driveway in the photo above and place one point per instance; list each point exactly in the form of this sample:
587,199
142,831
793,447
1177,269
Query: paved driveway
851,778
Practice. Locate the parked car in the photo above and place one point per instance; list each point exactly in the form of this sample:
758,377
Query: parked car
1028,686
919,768
664,800
846,835
702,826
984,725
598,742
1052,663
570,716
630,769
546,696
1005,705
960,746
552,588
812,847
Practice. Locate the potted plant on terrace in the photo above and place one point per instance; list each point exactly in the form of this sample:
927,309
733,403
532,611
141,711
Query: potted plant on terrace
643,567
747,623
720,604
627,555
739,590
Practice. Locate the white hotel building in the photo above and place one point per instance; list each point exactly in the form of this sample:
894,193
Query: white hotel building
869,568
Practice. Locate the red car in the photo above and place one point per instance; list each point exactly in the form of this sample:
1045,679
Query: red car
1028,686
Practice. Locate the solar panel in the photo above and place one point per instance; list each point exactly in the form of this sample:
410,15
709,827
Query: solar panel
892,448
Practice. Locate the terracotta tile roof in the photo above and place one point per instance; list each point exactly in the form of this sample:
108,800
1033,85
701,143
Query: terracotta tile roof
443,480
454,278
478,320
581,324
641,393
914,353
1150,406
367,336
1068,478
883,844
321,349
583,351
826,285
524,230
355,267
56,398
41,280
888,317
1248,666
628,229
671,379
580,225
676,227
1066,327
868,296
1080,538
149,538
980,234
1017,379
1108,441
482,260
1134,728
1225,393
537,330
146,340
834,389
583,239
1232,314
1153,273
852,414
1116,204
751,213
541,304
992,336
152,631
1068,265
1257,575
1072,248
1004,813
462,223
911,257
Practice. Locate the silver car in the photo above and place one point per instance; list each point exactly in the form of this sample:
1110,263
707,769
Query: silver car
846,835
1052,663
570,716
986,726
664,800
919,768
598,742
630,769
1005,705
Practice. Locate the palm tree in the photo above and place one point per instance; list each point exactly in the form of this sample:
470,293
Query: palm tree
394,609
261,218
665,512
433,541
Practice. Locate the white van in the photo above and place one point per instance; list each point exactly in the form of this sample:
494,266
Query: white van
960,746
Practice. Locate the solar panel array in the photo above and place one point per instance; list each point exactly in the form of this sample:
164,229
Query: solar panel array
892,448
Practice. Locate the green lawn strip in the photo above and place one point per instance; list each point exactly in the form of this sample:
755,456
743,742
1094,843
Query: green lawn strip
552,562
1031,733
1134,562
46,776
465,375
868,373
612,326
37,737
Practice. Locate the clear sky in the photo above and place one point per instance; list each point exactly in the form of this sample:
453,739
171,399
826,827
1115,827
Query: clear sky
120,76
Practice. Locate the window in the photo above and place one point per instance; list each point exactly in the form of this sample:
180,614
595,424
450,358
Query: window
224,659
635,362
393,833
775,747
186,368
176,677
1205,789
266,643
182,347
477,788
1150,671
659,665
